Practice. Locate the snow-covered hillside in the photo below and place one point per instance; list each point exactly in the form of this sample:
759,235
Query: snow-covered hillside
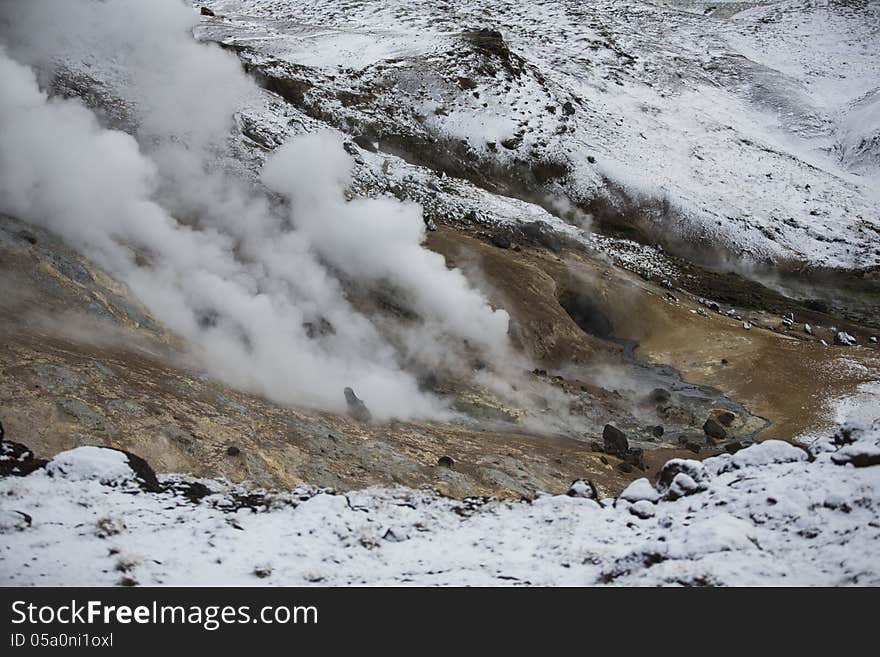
771,514
753,132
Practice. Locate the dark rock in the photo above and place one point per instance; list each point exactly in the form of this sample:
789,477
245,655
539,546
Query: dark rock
142,470
466,84
583,488
733,447
232,450
615,441
446,462
659,396
193,491
501,241
356,407
682,485
636,457
511,143
206,12
392,536
567,108
537,232
318,328
714,430
623,466
726,418
857,459
366,143
692,446
657,431
544,172
16,460
596,446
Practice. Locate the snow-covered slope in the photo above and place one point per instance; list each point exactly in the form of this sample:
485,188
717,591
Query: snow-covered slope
752,134
771,514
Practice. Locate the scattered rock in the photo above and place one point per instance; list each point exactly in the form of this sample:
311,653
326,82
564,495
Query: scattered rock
674,467
596,447
392,536
640,489
107,527
692,446
713,429
446,462
356,407
682,486
623,466
635,457
14,521
615,441
366,143
642,509
845,339
206,12
500,241
734,446
659,396
317,329
583,488
859,456
657,431
145,474
232,450
726,418
808,329
16,460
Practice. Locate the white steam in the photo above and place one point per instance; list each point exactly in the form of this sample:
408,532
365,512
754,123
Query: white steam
243,282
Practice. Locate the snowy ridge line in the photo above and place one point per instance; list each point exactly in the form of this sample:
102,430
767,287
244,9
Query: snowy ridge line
746,128
771,514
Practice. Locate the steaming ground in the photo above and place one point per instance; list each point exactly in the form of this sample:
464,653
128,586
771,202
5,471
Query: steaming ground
240,280
498,239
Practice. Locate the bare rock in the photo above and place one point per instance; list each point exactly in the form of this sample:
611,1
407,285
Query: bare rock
356,407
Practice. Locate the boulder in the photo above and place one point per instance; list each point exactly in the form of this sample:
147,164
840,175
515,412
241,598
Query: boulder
672,468
726,418
615,441
16,460
640,489
713,429
446,462
583,488
206,12
690,445
845,339
356,407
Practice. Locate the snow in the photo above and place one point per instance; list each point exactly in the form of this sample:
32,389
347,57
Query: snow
107,466
758,129
640,490
769,515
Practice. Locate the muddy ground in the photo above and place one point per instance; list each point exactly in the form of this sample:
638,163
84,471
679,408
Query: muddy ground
114,377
